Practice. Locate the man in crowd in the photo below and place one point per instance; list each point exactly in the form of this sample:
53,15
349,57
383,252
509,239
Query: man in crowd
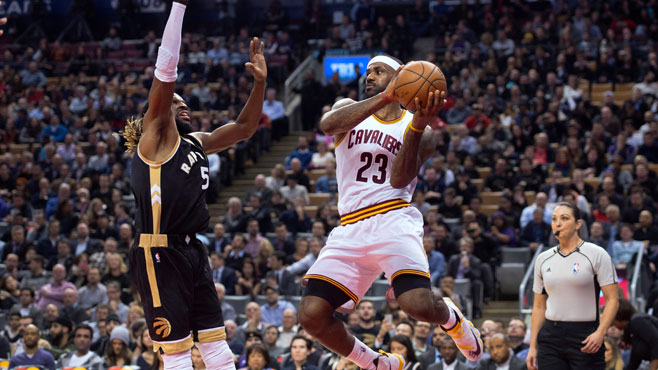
32,354
228,312
82,356
272,311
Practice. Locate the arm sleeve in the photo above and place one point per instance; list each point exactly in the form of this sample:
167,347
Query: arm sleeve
538,284
605,270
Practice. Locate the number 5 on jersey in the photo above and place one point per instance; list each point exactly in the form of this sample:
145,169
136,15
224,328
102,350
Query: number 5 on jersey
205,177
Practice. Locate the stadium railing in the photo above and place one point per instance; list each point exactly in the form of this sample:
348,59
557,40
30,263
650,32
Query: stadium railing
526,296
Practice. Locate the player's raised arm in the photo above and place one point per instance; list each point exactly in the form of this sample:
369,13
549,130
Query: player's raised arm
159,133
3,21
247,123
347,113
419,142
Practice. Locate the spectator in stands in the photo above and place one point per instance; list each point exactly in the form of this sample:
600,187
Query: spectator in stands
297,169
27,307
47,246
283,241
272,310
422,332
623,250
597,235
431,185
253,321
17,245
288,328
501,232
247,283
303,153
327,183
366,329
277,177
53,292
92,293
276,112
219,241
228,312
295,218
82,356
527,215
37,276
103,342
516,331
323,157
284,278
32,354
459,113
117,353
114,300
499,348
300,267
448,351
60,337
437,261
467,266
260,212
32,76
261,189
12,330
500,179
270,339
253,238
112,41
635,205
536,233
71,308
235,218
646,231
235,253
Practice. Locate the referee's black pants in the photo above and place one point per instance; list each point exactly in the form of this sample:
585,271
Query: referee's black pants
559,344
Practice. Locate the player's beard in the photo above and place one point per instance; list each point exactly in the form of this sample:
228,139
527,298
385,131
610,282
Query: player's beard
374,91
184,128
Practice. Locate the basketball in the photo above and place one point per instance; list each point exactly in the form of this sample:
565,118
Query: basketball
417,79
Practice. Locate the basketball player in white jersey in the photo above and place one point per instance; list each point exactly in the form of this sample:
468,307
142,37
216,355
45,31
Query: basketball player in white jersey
379,150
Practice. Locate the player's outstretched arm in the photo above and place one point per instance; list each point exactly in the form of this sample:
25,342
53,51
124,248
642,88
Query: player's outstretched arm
3,21
346,113
159,133
247,122
419,142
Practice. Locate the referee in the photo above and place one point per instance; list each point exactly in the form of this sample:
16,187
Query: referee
568,280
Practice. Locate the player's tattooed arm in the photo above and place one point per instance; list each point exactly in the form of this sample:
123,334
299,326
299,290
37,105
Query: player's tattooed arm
247,123
419,142
347,113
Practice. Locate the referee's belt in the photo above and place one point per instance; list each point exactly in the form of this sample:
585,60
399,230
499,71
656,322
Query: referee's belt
162,240
376,209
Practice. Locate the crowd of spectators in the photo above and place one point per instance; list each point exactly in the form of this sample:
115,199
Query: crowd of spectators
522,126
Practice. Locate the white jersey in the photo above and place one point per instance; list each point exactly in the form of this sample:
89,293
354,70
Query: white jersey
364,162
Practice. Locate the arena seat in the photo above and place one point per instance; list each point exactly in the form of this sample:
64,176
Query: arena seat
515,255
479,183
378,288
311,211
318,199
463,288
509,275
491,197
239,302
483,171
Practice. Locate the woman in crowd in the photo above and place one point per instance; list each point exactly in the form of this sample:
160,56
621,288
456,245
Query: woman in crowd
401,345
247,282
257,358
146,357
117,352
8,292
613,359
116,270
197,359
300,349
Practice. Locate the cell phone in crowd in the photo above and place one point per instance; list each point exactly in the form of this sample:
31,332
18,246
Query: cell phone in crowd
388,318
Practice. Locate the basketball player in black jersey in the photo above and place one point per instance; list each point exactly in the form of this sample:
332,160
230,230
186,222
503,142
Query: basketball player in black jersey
168,265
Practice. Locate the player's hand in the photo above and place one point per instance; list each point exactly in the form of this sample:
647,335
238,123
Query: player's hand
531,360
592,342
256,64
389,92
424,115
3,21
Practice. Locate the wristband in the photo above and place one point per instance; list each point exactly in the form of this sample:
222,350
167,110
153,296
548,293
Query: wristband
415,129
384,98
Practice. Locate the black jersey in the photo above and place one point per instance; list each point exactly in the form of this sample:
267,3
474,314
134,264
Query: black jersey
171,194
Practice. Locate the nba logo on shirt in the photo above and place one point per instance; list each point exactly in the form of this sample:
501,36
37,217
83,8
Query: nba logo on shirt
576,268
157,257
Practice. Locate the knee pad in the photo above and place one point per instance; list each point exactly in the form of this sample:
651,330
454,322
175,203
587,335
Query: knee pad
216,355
178,361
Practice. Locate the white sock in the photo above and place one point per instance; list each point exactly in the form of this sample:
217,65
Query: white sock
362,355
216,355
452,320
178,361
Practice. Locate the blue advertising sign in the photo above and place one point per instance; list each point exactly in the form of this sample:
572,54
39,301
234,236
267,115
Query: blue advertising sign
344,65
